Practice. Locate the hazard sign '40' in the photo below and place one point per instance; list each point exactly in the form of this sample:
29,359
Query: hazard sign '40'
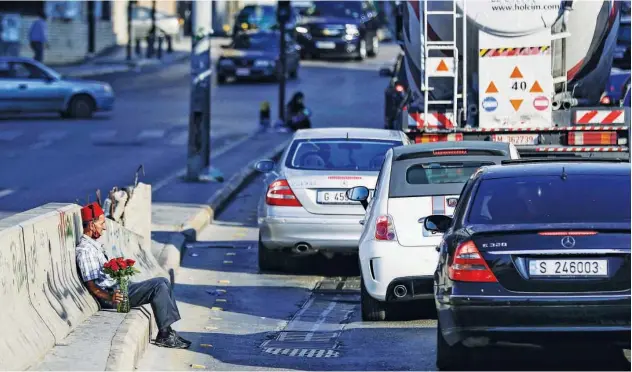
519,85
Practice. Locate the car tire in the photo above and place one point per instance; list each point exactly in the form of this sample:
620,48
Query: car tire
361,50
372,309
221,79
294,73
81,107
449,358
268,260
375,47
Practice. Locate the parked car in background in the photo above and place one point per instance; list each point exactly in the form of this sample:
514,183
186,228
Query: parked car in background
260,17
29,86
171,25
254,54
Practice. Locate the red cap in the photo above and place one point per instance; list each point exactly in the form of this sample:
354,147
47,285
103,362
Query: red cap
91,212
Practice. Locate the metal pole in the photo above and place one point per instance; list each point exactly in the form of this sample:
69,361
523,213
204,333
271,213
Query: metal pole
91,28
130,37
151,40
199,148
282,59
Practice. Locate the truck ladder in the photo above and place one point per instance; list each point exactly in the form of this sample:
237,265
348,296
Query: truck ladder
435,67
559,62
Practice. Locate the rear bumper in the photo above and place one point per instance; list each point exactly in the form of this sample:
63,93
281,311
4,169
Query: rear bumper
600,319
337,235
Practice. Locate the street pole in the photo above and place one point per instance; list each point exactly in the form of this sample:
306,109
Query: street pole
130,37
283,15
151,42
199,149
91,28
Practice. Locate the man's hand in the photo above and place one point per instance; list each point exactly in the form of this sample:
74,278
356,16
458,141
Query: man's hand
117,297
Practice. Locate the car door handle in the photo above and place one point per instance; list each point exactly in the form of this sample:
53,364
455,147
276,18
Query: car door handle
22,86
437,248
361,222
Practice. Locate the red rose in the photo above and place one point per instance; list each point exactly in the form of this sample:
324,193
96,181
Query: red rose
130,262
114,266
107,265
122,264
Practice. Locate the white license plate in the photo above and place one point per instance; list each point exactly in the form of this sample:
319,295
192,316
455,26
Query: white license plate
337,197
325,45
242,72
516,139
565,268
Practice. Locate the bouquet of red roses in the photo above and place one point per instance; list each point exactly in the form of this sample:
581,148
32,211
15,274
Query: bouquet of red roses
121,269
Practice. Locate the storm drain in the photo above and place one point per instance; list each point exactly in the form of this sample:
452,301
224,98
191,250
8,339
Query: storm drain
314,330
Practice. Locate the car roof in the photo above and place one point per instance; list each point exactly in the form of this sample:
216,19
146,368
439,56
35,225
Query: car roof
450,145
555,168
364,133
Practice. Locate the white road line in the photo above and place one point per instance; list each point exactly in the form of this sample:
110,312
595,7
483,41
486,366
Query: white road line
10,135
6,192
164,182
103,134
152,133
40,144
52,135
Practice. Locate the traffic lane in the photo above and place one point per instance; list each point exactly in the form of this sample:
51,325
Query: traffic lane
241,320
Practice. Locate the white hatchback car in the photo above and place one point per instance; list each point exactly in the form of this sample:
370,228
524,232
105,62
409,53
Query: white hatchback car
397,255
305,210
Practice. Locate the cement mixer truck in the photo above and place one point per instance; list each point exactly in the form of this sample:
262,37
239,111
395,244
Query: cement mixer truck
528,72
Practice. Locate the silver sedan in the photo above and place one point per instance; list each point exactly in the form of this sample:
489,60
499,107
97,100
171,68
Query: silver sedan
305,210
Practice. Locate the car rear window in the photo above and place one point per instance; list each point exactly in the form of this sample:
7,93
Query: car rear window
438,173
339,154
549,199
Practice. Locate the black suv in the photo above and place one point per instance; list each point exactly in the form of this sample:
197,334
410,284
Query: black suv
339,29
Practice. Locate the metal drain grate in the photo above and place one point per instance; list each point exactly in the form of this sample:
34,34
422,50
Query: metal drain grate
338,285
303,353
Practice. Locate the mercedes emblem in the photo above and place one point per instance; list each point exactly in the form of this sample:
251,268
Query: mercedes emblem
568,242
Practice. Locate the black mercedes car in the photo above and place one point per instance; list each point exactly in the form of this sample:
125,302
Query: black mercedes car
537,252
339,29
255,55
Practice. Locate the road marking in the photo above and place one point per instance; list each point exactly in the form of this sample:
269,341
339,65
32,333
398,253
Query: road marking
6,192
206,345
40,145
198,366
217,308
228,262
220,300
221,291
230,253
164,182
151,133
105,134
223,281
209,328
53,135
10,135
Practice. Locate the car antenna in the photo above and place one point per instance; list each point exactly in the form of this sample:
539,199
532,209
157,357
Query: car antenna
347,136
564,176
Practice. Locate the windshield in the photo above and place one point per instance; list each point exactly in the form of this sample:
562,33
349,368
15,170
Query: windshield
438,173
338,154
257,41
264,17
624,34
549,199
344,9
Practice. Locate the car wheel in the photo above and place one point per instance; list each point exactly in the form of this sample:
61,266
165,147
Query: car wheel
268,260
372,309
221,79
361,50
449,357
81,107
294,73
375,47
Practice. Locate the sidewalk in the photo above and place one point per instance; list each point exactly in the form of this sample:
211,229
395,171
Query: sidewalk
116,60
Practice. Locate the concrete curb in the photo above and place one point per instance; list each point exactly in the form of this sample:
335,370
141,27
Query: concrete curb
124,67
131,340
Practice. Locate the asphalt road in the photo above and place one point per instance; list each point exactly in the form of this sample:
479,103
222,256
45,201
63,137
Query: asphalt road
239,319
44,158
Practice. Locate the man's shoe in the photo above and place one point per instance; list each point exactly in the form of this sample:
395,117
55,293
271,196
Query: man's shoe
171,341
180,337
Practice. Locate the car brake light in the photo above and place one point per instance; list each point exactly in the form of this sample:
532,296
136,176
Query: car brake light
605,100
469,266
280,194
449,152
384,228
592,138
399,88
567,233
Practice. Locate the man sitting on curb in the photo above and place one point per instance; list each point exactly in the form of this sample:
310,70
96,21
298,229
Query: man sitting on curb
157,291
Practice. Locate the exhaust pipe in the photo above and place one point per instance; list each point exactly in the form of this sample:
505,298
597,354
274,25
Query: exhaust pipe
303,248
556,104
400,291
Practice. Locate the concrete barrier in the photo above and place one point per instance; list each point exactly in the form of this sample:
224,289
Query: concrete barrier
42,298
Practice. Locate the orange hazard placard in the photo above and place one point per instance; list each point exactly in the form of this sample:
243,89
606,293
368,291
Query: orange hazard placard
536,88
516,74
516,103
491,88
442,66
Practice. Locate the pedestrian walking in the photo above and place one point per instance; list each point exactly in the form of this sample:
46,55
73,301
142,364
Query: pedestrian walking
157,291
38,37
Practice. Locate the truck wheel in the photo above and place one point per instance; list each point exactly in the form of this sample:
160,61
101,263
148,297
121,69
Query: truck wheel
372,309
361,50
449,357
81,107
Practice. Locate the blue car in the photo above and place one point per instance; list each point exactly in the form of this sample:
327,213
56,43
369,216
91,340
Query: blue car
537,252
28,86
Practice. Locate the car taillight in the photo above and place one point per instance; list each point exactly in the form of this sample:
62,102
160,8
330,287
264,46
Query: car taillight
469,266
399,88
592,138
384,228
449,152
280,194
605,100
567,233
428,138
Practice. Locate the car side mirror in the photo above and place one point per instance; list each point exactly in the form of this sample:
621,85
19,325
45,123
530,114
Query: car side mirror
264,166
359,194
437,223
386,72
